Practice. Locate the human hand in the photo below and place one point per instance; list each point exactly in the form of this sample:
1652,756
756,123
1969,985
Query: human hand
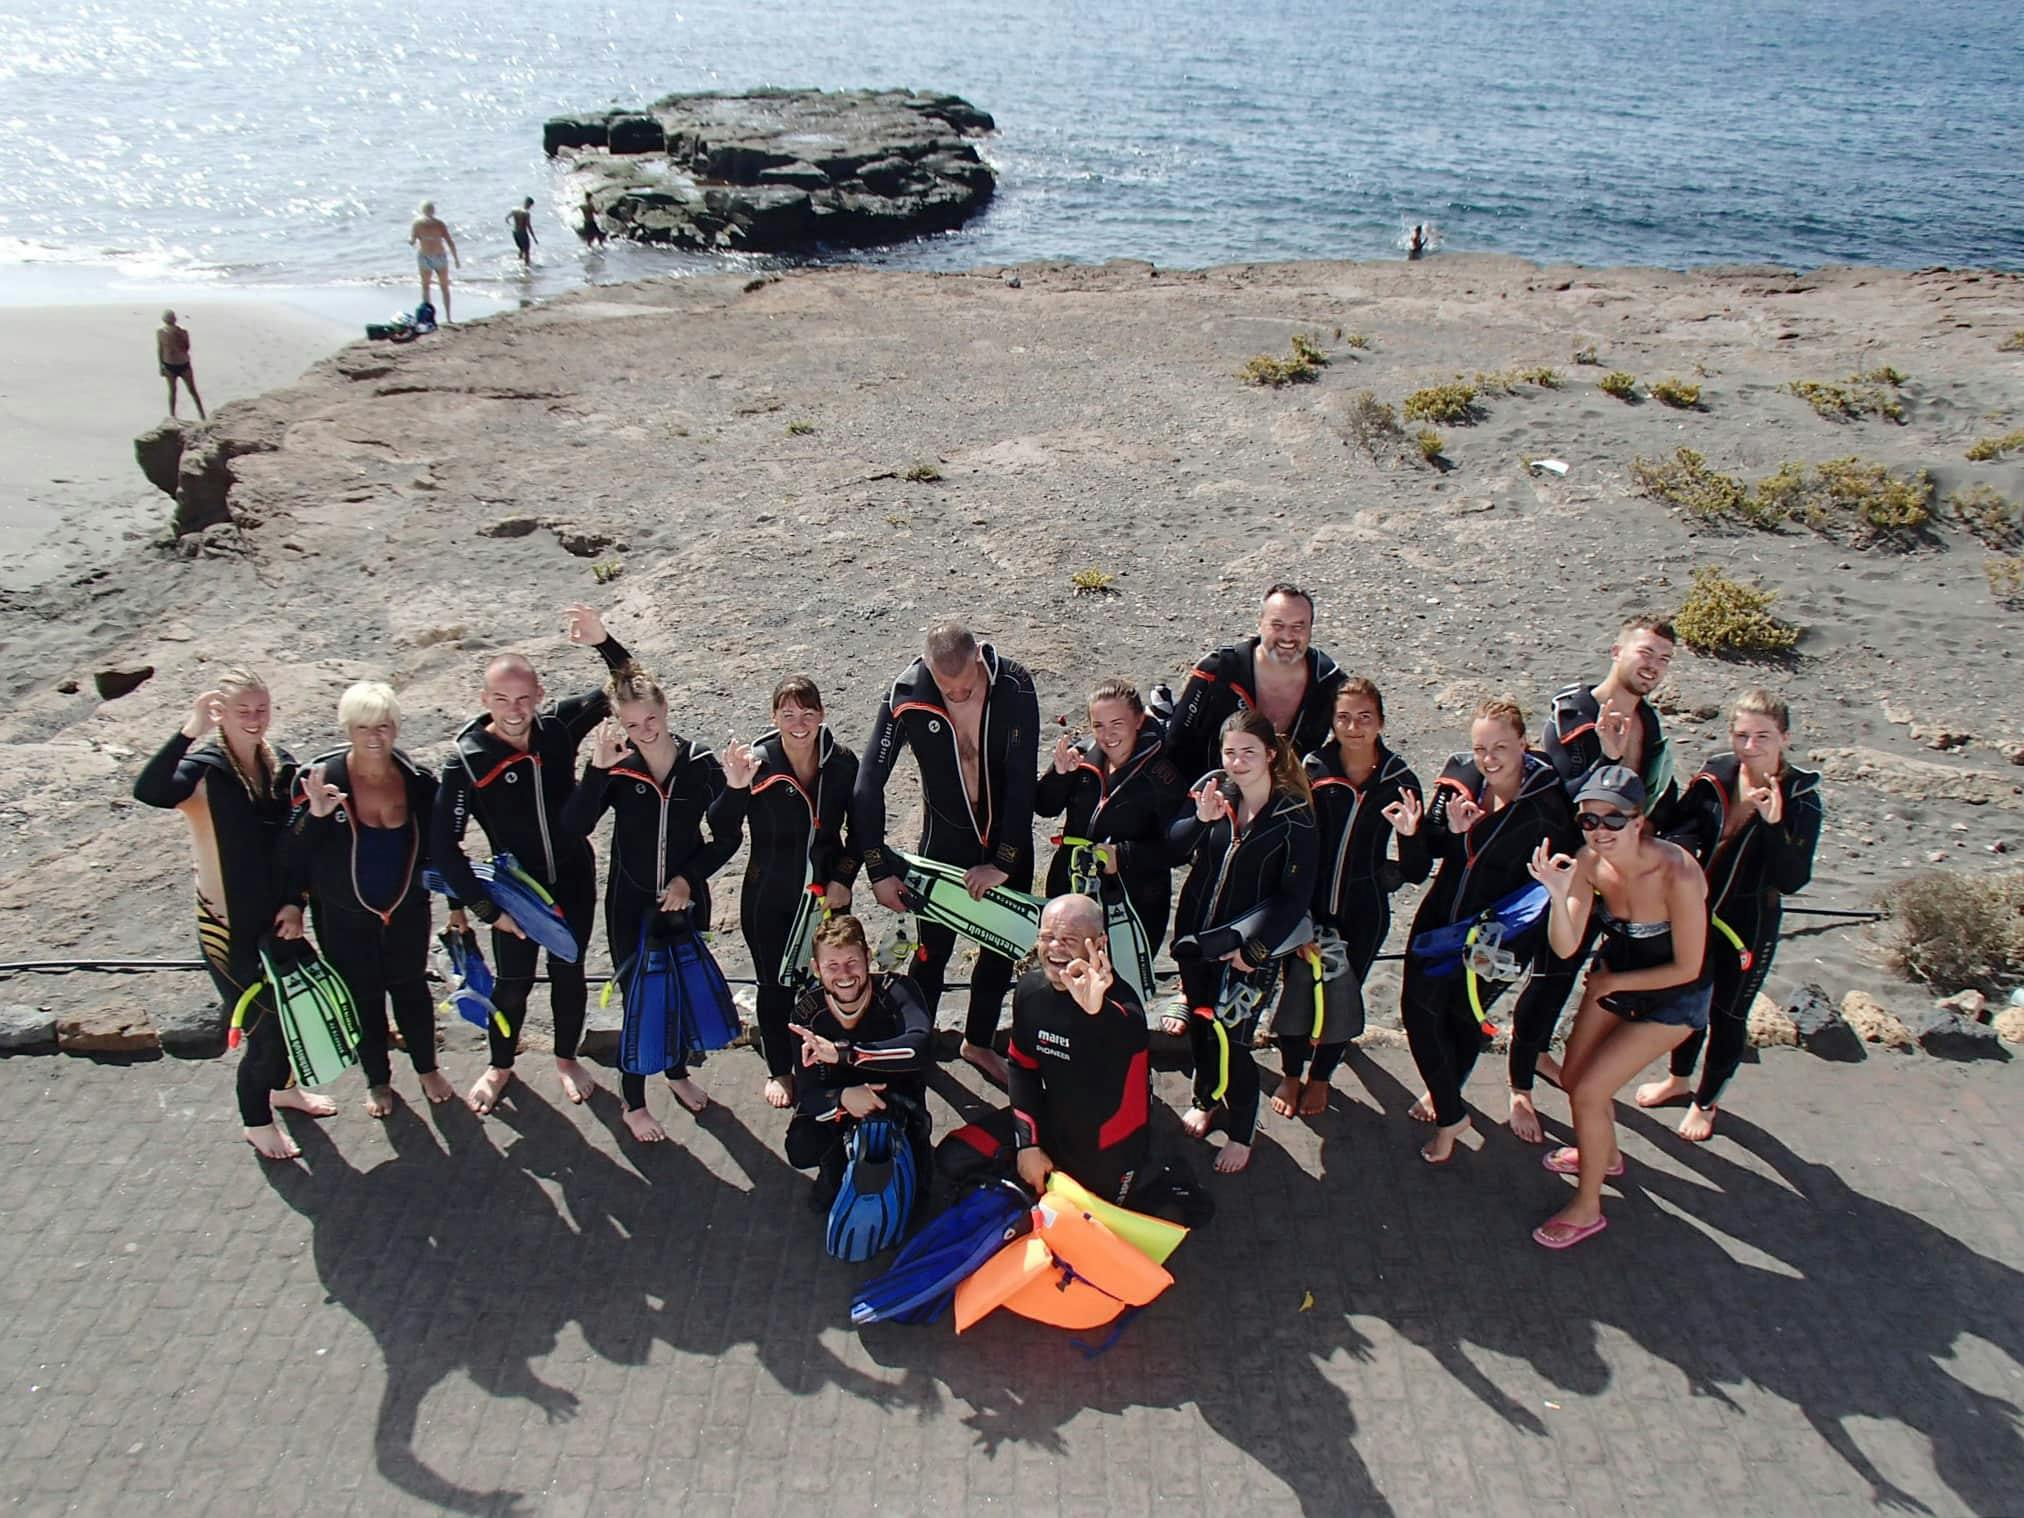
980,878
460,921
1211,805
1089,975
1404,814
504,923
1236,960
1554,871
1463,814
677,896
323,797
206,713
1766,800
815,1049
288,922
837,897
890,894
1034,1166
1065,754
608,744
740,762
585,624
1612,731
861,1101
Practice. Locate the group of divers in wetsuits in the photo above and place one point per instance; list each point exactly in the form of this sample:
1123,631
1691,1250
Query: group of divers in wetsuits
1268,781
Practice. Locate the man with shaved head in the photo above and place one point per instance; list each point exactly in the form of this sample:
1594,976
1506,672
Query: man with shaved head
1081,1080
512,771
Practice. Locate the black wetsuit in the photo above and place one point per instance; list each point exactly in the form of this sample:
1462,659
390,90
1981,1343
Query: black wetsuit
887,1046
1476,869
1749,876
1352,890
1129,807
997,830
1224,683
371,909
1269,863
1573,746
656,834
1081,1084
797,842
517,795
247,821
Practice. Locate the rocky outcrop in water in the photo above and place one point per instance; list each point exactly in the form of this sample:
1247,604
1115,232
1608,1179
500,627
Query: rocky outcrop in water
780,171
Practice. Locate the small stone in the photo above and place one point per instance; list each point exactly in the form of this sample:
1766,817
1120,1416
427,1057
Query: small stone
1011,281
112,1029
510,527
114,683
1769,1027
2009,1025
192,1030
1945,739
25,1027
1818,1028
1969,1003
2017,754
1873,1022
67,688
1952,1036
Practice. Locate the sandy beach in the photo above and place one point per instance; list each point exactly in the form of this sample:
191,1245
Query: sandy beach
756,476
81,383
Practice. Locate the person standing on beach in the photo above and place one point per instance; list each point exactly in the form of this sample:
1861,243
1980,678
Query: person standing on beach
1607,724
522,223
1278,673
512,771
172,352
973,721
434,248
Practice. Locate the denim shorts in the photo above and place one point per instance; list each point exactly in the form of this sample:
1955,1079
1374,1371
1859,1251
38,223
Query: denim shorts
1679,1006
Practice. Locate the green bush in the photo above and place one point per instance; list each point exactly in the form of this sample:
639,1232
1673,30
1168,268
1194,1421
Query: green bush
1726,617
2005,573
800,429
1372,425
1544,378
1956,931
1307,351
1264,369
2014,343
1678,394
1358,340
1430,444
1453,404
1093,582
921,472
1847,492
1686,481
1619,384
1984,449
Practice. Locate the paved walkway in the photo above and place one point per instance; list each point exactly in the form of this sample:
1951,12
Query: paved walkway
1819,1313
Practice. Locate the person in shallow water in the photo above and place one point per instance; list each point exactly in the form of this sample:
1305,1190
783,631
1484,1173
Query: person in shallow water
522,223
232,789
356,845
434,248
1646,997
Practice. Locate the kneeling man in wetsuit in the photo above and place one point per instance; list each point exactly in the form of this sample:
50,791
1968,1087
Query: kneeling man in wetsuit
1080,1077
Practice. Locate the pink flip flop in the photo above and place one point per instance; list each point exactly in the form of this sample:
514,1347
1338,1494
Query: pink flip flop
1573,1233
1566,1160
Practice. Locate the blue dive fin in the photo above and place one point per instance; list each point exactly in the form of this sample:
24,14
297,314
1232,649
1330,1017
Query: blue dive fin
1518,913
521,897
925,1273
709,1016
649,1036
877,1197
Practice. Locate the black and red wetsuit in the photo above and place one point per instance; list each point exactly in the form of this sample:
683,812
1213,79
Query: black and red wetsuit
1081,1083
1225,682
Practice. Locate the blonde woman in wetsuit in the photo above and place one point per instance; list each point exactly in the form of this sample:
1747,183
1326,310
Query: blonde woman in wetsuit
1647,995
232,787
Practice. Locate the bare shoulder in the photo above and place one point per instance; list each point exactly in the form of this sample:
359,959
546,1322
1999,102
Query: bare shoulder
1682,870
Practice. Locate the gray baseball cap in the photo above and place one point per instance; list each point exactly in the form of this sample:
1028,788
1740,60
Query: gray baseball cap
1617,784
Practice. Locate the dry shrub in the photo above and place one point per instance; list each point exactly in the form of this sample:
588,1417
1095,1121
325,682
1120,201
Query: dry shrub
1835,494
1686,481
1264,369
1988,514
1453,404
1677,394
1984,449
1873,392
2014,343
2005,574
1307,350
1726,617
1619,384
1956,931
1430,444
1373,426
1586,355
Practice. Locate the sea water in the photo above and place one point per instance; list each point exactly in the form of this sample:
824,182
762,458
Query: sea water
261,143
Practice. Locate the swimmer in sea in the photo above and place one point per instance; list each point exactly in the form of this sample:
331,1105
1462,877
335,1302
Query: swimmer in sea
522,223
434,248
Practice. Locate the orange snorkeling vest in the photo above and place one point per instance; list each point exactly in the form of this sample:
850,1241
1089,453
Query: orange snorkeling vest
1071,1271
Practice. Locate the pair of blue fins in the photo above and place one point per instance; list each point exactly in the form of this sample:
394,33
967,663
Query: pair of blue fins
1065,1257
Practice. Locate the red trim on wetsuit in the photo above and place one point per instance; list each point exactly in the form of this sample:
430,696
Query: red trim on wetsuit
502,766
1130,1116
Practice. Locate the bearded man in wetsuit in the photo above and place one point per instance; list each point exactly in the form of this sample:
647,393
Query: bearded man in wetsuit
1278,672
1589,727
973,722
1081,1079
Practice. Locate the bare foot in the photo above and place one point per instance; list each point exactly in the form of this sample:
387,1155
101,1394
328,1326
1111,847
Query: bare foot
1549,1067
577,1082
1525,1118
1658,1093
1698,1126
1232,1158
1422,1111
297,1100
780,1091
379,1101
988,1060
1441,1147
692,1096
1174,1025
1313,1098
1197,1122
436,1086
487,1089
272,1143
1286,1100
640,1123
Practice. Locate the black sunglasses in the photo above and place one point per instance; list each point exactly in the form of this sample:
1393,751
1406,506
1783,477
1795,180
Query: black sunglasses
1616,822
